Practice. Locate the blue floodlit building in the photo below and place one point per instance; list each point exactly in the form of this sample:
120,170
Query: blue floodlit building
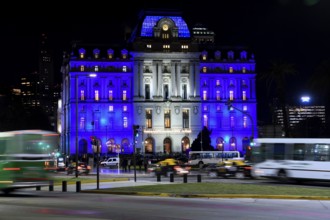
170,80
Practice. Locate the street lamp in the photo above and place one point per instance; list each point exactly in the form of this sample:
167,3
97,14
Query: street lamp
77,94
230,105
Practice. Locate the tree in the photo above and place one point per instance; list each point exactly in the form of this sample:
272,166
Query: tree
275,77
203,141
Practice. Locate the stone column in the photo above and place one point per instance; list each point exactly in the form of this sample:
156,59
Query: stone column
135,80
191,80
153,89
140,81
159,79
178,79
173,78
197,79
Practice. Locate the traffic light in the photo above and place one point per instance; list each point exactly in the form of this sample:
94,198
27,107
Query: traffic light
251,141
136,130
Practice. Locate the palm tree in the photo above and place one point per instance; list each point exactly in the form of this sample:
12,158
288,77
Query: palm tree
275,77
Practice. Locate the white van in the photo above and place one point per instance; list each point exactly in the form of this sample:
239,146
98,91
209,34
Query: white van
111,161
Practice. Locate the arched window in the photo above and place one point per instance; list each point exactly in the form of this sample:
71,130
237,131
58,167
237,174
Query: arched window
167,146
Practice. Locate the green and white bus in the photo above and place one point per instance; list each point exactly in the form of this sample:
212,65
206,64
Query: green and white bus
24,157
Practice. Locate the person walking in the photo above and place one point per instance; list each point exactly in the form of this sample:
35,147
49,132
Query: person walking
129,164
124,164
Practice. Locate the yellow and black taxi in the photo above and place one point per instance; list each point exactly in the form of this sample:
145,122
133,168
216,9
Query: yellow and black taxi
168,166
230,168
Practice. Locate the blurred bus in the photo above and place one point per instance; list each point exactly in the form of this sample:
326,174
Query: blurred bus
24,158
298,159
201,158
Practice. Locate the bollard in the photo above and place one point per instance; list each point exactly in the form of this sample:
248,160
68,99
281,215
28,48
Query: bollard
64,184
158,177
38,188
185,177
171,177
78,186
199,178
51,185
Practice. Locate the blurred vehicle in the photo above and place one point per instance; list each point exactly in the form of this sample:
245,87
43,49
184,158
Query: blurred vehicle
111,161
201,158
168,166
24,157
60,164
83,168
230,168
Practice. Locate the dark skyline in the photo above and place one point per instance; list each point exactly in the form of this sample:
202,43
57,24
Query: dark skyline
293,30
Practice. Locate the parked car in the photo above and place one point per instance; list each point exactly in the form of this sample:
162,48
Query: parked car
168,166
230,168
111,161
83,168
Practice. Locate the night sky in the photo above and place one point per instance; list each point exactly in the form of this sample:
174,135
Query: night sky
297,31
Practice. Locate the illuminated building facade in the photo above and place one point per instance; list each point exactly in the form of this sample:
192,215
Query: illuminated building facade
167,82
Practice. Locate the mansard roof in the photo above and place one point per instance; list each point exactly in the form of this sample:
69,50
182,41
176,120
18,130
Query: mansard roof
151,21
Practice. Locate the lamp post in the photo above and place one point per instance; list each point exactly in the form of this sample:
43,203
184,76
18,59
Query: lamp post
230,105
76,81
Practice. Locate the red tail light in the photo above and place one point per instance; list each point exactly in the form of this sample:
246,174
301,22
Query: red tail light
12,168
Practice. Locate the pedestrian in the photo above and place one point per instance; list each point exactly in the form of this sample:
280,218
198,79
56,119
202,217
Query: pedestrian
129,164
124,164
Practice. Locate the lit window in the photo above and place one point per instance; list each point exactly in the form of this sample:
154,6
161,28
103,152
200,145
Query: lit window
185,118
204,69
218,95
184,47
244,121
204,57
204,95
166,46
110,53
124,95
82,123
231,70
167,118
125,108
82,95
205,120
149,118
124,56
231,95
82,68
125,122
96,93
148,45
82,52
96,68
124,69
110,108
244,108
218,108
218,82
244,69
244,95
205,108
110,95
232,121
165,36
96,53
